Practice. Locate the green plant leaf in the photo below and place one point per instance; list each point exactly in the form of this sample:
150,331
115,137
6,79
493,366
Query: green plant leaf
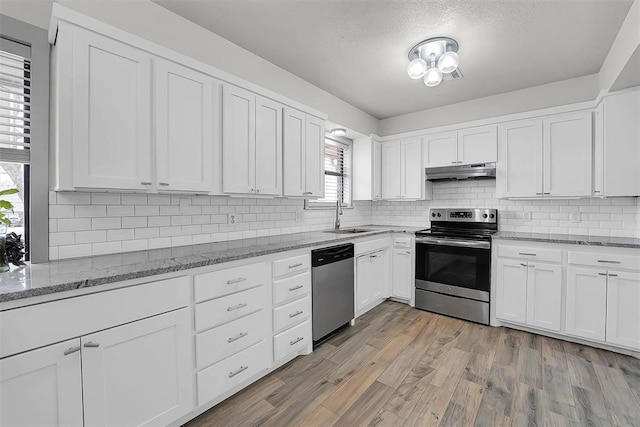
8,191
5,204
5,220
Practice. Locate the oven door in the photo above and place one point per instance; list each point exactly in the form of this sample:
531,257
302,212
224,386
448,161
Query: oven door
454,266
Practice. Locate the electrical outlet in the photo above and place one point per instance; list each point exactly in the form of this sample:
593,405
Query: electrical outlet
298,216
575,216
232,218
526,215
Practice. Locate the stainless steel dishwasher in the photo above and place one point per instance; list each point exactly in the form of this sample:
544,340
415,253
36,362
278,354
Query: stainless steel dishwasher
332,289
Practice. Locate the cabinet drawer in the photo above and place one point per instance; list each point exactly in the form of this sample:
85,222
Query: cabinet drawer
284,267
292,340
222,310
372,245
42,324
291,288
627,261
224,375
221,342
290,314
402,242
523,252
225,282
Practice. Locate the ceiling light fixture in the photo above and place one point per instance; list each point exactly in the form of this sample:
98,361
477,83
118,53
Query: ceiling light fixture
430,58
338,132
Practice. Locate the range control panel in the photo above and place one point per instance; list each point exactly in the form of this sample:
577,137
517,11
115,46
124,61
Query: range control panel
464,215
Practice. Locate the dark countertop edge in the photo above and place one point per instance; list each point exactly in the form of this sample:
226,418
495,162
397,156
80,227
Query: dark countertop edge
206,261
571,239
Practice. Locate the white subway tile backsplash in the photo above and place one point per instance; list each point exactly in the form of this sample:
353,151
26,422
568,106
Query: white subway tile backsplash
91,236
144,210
134,221
134,199
105,198
120,210
106,223
61,211
106,248
90,211
74,224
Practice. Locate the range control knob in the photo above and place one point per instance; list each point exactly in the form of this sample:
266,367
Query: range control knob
484,215
433,214
492,216
439,215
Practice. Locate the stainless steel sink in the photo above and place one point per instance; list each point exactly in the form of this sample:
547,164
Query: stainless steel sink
349,231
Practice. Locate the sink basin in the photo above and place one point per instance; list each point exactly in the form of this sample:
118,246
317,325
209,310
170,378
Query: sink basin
349,231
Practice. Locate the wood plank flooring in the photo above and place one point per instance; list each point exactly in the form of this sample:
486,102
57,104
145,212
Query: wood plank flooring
400,366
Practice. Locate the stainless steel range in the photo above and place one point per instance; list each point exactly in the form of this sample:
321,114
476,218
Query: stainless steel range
453,263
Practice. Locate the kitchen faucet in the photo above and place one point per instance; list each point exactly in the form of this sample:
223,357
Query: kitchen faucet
338,213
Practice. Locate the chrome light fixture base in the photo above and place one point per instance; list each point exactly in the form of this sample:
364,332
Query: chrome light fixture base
431,59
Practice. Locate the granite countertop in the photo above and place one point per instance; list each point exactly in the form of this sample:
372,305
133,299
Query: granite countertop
67,275
571,239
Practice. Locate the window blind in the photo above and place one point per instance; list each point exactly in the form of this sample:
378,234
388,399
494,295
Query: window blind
15,101
337,182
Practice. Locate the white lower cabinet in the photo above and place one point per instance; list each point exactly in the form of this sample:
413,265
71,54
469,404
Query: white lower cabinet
586,302
530,293
372,279
401,281
42,387
139,373
623,309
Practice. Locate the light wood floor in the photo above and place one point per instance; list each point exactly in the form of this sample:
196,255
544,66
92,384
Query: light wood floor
400,366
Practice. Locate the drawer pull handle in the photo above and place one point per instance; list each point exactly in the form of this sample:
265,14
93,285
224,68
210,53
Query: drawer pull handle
538,194
295,288
297,313
524,265
602,274
241,369
164,184
237,337
237,307
608,262
526,254
296,341
71,350
145,183
546,193
299,264
238,280
613,275
307,192
91,344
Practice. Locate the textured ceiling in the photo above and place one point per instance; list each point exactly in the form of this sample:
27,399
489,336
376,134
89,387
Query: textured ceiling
357,50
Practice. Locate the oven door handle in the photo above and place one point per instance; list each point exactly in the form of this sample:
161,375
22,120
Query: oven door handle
458,243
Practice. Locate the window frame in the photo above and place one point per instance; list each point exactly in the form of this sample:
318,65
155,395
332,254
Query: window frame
314,204
38,197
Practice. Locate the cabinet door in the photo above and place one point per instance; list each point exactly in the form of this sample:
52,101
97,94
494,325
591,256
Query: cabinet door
586,304
314,157
478,145
363,283
268,151
598,150
519,167
391,170
184,128
412,172
292,149
377,170
139,373
238,140
401,284
511,304
621,148
111,114
544,295
440,149
42,387
380,274
623,309
567,152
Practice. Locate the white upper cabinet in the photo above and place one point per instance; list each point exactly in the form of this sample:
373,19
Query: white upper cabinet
617,146
402,174
463,147
251,143
440,149
184,123
567,146
545,157
303,154
104,113
367,168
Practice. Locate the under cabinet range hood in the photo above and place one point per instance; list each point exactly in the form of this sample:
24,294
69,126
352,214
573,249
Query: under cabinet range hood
463,172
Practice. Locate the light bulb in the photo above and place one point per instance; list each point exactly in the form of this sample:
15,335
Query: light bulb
448,62
338,132
433,77
417,68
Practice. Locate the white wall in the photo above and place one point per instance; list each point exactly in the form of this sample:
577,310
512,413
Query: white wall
157,24
618,216
548,95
